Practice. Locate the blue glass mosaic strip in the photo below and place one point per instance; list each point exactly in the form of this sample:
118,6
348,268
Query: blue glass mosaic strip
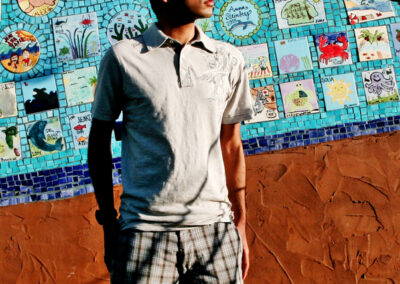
51,184
71,181
307,137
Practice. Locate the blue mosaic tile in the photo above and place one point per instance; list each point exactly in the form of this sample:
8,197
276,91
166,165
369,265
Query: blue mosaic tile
55,176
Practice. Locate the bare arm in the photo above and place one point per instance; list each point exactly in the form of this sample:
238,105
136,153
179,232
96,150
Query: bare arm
235,171
100,167
100,164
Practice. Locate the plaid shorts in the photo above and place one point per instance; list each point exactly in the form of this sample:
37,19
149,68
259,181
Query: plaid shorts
204,254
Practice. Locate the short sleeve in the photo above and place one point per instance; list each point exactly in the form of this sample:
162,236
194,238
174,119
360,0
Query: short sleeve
107,98
239,106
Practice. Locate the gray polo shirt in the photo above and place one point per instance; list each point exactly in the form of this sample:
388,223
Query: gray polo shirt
174,99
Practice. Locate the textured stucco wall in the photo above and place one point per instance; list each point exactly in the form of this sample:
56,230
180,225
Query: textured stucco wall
327,213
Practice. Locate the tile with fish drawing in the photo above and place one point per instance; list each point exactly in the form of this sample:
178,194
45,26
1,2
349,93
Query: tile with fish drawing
264,102
45,137
10,144
240,19
80,85
294,13
76,36
80,127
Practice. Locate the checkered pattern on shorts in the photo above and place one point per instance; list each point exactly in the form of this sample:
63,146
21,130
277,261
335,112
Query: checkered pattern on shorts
204,254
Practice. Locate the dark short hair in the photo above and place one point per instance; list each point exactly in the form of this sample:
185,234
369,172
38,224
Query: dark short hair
156,5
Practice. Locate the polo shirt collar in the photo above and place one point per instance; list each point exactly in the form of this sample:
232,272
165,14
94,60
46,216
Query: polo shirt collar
155,38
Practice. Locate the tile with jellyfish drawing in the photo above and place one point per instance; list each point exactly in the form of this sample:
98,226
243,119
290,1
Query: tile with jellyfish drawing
10,144
76,36
294,13
380,85
264,102
340,91
80,127
333,49
373,43
293,55
45,137
257,60
299,97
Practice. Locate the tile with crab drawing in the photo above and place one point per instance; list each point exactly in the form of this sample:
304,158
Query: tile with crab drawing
333,49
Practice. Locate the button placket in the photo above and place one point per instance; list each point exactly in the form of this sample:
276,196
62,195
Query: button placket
184,71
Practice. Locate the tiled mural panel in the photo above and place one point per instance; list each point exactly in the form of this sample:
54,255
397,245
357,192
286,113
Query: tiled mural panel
319,70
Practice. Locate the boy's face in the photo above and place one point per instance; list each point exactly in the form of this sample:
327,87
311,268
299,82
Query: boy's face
199,8
189,10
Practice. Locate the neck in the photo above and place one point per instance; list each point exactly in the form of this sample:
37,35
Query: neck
183,33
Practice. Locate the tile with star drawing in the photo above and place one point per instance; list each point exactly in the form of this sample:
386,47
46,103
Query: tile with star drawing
380,85
340,91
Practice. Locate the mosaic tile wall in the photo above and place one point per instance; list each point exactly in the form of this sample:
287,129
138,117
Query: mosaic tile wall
64,173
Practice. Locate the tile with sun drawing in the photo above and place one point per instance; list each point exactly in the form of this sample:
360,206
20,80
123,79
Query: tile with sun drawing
340,91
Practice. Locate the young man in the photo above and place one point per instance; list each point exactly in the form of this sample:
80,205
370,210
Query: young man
183,96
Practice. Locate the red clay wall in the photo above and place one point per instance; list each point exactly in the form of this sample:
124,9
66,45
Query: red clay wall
328,213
